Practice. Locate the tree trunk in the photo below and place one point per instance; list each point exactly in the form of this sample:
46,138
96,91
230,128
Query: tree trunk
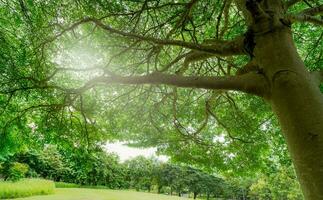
195,195
298,104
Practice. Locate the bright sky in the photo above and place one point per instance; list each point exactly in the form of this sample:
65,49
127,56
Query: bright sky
126,152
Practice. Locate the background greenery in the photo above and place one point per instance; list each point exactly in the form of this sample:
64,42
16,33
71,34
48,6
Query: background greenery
98,168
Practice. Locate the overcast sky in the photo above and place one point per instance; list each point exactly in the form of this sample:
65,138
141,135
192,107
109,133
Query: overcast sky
126,152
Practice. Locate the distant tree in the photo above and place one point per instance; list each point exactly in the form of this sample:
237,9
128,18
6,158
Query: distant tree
140,172
196,181
95,167
159,178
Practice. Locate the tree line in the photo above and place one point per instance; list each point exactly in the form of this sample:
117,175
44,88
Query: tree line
100,168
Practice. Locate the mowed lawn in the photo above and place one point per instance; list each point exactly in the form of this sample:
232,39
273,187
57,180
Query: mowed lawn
99,194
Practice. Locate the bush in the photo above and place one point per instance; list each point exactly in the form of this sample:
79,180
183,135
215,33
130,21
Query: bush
17,171
25,187
280,185
66,185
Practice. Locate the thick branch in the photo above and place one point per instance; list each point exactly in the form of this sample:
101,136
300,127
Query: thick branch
313,11
251,66
252,83
224,47
305,18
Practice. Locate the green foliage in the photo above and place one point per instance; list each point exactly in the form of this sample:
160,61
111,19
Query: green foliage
98,169
93,168
37,108
47,162
17,171
78,166
43,66
25,187
144,174
280,185
51,163
12,170
139,173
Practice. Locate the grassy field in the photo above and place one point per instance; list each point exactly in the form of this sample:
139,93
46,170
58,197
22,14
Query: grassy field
25,187
99,194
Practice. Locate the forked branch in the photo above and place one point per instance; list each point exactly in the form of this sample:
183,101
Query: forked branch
225,48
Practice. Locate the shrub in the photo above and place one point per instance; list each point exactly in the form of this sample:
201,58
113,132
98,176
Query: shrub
25,187
17,171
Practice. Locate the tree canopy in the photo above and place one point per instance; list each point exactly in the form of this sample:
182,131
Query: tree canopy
177,75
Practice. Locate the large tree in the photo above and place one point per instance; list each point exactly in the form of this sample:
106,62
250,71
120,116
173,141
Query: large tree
58,57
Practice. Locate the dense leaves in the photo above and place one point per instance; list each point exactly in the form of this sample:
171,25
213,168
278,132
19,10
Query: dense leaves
51,50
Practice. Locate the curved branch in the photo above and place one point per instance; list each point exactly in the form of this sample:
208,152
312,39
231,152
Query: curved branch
234,47
225,48
252,83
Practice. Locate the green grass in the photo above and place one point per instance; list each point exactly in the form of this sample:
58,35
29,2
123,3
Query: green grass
25,188
100,194
66,185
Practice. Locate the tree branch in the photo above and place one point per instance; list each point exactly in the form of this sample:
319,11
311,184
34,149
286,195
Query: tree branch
225,48
313,11
252,83
227,129
305,18
290,3
194,56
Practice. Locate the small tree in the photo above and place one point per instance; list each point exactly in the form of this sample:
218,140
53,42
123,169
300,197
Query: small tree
140,173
